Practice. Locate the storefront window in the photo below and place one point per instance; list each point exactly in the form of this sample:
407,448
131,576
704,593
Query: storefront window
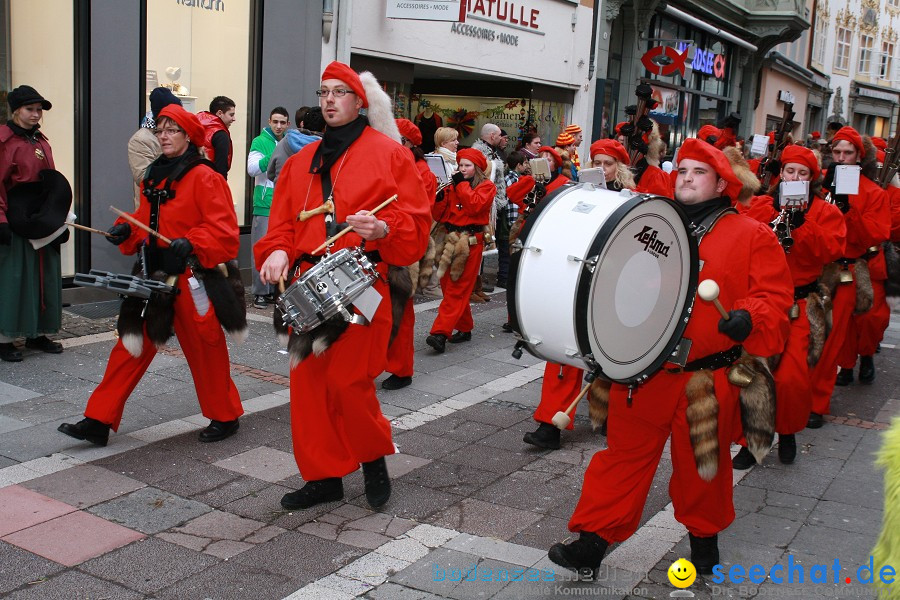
47,67
201,53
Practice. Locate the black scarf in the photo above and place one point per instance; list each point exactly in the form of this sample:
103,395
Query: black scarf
697,212
640,168
163,166
29,134
334,143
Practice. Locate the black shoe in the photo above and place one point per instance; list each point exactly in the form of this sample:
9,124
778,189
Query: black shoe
438,341
506,327
44,344
866,370
787,448
844,377
545,436
270,298
815,421
9,353
395,383
743,460
219,430
259,302
704,553
314,492
583,556
88,429
378,483
460,336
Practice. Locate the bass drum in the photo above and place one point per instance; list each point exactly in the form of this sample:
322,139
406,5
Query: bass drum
605,281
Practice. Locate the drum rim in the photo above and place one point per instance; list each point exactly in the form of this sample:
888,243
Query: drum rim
583,287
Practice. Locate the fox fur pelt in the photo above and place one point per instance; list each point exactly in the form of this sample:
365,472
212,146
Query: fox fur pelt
159,317
703,422
818,328
317,341
420,272
892,284
225,290
454,254
865,296
757,401
400,285
598,402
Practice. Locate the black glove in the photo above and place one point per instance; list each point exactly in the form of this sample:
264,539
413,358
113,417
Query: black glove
732,120
119,233
773,166
61,239
457,178
842,201
738,326
439,197
797,218
181,248
5,234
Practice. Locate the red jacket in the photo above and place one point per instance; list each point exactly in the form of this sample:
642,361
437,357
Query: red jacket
19,162
819,241
201,211
428,180
516,192
868,220
372,170
465,205
213,125
656,181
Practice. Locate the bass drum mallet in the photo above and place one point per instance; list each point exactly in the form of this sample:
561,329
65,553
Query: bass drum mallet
561,420
708,290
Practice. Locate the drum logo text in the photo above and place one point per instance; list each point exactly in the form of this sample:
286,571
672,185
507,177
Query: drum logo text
648,237
321,287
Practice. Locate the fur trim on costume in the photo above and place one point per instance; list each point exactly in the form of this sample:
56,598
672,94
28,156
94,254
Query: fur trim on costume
702,417
130,325
598,402
757,398
159,318
818,327
225,291
426,265
446,253
400,286
828,282
868,164
865,295
316,341
748,179
380,112
892,283
516,229
460,256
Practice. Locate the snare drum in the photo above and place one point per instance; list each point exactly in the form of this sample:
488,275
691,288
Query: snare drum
604,281
327,289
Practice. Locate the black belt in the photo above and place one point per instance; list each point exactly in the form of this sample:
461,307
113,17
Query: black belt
467,228
803,291
712,362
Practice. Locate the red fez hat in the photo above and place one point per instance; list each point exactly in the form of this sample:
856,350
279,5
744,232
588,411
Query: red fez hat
803,156
695,149
338,70
474,156
610,148
708,131
186,120
850,135
879,143
556,157
409,131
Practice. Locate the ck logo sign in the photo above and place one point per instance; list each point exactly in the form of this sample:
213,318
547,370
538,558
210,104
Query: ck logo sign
648,237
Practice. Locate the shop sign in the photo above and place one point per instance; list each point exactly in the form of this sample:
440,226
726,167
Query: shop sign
215,5
483,33
427,10
516,14
706,61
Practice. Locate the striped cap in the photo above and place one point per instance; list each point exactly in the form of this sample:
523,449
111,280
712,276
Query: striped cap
573,129
564,139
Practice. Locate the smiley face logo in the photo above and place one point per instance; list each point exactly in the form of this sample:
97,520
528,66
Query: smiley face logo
682,573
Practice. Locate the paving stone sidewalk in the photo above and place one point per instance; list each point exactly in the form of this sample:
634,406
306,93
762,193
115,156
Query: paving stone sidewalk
158,515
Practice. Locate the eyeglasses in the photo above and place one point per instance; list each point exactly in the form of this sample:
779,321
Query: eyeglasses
168,132
338,93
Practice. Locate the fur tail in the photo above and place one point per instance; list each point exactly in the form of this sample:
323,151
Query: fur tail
460,257
892,283
598,402
131,325
865,296
426,265
702,418
316,341
450,242
380,111
815,312
225,291
160,315
757,400
400,285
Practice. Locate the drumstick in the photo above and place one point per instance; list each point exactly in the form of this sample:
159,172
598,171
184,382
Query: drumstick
140,225
709,290
85,228
561,420
343,232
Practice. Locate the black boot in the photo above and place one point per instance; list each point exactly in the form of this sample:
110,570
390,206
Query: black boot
9,353
88,429
219,430
866,370
314,492
44,344
395,382
460,336
438,341
378,483
815,421
787,448
844,377
704,553
743,460
583,556
545,436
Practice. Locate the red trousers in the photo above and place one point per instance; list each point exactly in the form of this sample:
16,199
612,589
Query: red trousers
401,351
336,421
792,387
618,479
561,385
455,311
823,374
203,343
866,331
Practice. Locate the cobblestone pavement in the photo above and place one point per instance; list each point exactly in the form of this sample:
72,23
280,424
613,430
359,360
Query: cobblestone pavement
156,514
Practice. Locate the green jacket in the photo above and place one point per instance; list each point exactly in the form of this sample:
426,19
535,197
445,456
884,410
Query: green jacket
257,162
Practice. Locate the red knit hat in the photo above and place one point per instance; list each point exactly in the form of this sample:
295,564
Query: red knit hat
410,131
474,156
695,149
879,143
800,155
708,131
186,120
610,148
564,139
338,70
850,135
572,129
556,157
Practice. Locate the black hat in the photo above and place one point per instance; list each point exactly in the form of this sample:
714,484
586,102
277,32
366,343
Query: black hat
36,209
160,98
25,94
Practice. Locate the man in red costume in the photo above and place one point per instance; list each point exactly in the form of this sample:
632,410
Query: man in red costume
867,215
336,420
744,258
197,214
819,234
